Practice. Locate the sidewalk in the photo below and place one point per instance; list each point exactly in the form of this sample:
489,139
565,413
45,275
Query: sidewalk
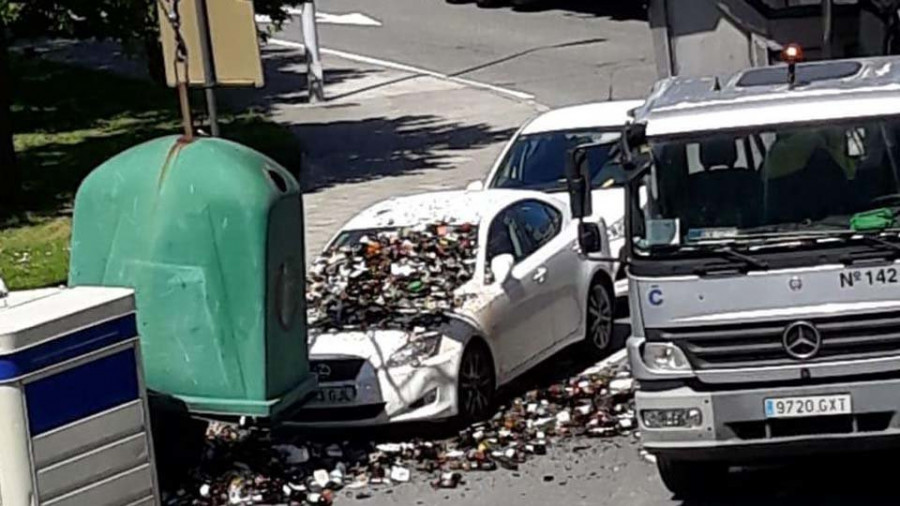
382,133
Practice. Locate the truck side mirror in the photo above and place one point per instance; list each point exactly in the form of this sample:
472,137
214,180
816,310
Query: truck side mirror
590,239
578,182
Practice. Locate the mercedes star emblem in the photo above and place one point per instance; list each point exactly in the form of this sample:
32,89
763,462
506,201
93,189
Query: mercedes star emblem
801,340
322,370
795,283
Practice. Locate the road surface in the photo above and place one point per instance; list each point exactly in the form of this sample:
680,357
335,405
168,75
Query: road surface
580,53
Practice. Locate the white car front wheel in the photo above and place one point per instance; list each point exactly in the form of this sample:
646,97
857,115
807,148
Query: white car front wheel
476,384
600,318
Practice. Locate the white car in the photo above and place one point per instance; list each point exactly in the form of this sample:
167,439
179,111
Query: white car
532,294
535,158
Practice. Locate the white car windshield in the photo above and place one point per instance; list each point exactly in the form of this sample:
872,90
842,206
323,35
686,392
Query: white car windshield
777,181
538,161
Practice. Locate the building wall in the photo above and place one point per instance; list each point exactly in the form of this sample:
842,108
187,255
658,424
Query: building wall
719,37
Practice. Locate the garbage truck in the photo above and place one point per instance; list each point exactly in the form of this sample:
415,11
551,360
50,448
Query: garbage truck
763,260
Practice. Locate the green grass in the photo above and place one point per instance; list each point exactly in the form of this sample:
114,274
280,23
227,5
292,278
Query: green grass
36,254
67,121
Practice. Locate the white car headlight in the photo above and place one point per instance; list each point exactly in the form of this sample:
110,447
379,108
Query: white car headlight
665,357
417,348
616,230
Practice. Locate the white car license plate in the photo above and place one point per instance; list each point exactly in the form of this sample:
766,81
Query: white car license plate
336,395
814,405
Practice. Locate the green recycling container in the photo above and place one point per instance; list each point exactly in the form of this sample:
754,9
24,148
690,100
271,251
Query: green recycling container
209,233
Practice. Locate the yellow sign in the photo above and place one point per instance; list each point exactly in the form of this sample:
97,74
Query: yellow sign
232,43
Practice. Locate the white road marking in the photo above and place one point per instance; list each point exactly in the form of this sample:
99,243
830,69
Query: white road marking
409,68
353,18
350,19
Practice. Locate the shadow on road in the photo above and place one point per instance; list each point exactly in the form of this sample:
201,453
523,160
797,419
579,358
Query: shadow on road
357,149
284,70
385,147
864,479
631,10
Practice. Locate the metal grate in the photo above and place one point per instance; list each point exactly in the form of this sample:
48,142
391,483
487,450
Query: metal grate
760,344
344,369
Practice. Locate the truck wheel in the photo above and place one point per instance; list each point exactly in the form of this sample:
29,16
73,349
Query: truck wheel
687,479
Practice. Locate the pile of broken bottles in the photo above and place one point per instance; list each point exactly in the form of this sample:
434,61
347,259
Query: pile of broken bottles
398,279
250,466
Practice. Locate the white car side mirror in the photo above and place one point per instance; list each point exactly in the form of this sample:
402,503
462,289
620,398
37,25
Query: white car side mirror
475,186
501,267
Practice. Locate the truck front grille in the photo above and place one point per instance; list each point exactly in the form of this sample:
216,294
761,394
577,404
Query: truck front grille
761,344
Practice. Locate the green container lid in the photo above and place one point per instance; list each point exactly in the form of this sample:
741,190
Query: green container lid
210,236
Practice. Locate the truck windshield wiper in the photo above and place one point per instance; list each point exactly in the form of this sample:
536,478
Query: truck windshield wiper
728,252
874,240
747,259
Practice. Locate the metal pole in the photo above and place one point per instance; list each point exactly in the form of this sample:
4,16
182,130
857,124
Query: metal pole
212,111
827,26
209,67
314,76
183,77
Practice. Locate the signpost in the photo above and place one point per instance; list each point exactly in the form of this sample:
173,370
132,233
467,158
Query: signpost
315,77
208,44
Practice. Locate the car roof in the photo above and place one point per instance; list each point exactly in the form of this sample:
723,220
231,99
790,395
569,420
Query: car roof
610,114
836,89
457,206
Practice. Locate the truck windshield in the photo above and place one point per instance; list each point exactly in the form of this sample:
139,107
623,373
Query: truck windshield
774,182
538,161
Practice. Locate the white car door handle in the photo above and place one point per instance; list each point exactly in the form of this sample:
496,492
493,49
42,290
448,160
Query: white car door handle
540,275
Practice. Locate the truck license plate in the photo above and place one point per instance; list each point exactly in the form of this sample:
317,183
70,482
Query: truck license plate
336,395
814,405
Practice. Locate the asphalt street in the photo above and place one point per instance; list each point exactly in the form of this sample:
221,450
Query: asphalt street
579,51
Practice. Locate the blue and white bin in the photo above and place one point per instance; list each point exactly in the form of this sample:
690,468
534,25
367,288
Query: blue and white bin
74,421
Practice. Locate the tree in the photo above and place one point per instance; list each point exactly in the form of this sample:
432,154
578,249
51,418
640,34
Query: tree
131,22
9,175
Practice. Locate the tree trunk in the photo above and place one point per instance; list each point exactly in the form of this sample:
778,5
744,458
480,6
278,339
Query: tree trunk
10,181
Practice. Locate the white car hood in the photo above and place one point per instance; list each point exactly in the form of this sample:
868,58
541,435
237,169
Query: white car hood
377,346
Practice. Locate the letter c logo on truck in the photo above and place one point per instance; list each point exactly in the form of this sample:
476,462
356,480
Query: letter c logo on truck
655,296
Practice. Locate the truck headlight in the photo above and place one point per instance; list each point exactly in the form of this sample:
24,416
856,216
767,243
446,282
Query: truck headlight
665,357
416,349
616,230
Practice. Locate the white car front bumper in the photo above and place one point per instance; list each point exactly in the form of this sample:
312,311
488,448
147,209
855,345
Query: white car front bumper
382,395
